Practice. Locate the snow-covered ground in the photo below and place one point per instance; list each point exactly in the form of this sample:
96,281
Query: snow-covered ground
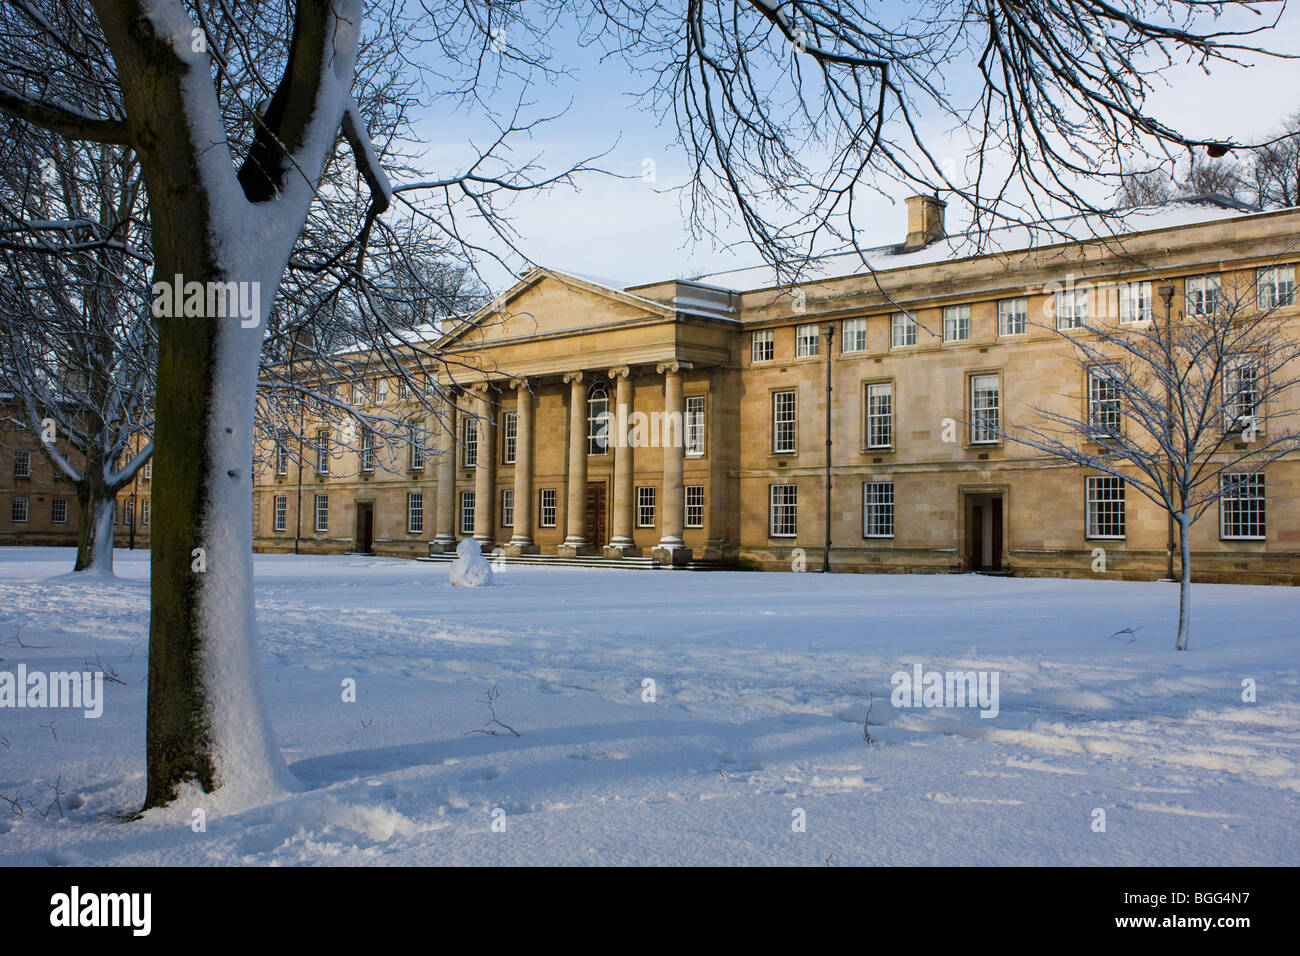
761,684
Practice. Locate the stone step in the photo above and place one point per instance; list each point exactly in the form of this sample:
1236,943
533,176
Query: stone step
593,561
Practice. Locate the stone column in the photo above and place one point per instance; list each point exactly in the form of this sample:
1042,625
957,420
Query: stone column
575,512
444,541
671,550
485,473
521,541
621,544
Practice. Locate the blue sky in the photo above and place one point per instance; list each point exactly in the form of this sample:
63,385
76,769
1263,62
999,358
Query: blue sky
634,231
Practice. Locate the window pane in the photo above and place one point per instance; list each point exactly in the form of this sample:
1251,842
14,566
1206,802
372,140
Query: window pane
1105,507
878,509
984,405
880,415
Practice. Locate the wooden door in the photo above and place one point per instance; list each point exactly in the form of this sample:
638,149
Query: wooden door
596,506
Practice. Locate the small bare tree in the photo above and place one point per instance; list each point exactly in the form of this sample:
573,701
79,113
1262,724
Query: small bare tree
1186,409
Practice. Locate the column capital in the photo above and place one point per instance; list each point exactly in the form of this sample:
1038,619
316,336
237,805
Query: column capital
573,378
673,366
619,371
480,388
518,383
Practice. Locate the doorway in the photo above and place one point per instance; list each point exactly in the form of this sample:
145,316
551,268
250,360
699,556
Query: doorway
365,537
596,506
984,532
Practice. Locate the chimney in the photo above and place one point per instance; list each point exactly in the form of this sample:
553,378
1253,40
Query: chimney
924,221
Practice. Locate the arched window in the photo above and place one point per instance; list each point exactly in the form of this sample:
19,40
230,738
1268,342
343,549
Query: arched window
597,419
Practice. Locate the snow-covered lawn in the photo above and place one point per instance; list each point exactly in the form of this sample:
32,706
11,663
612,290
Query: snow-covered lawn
761,684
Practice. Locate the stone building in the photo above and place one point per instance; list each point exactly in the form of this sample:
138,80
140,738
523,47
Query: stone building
687,419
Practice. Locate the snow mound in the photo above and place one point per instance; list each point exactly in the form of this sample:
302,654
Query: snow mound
470,569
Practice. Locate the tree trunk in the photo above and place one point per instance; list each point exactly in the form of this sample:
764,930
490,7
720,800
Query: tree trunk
94,530
1184,584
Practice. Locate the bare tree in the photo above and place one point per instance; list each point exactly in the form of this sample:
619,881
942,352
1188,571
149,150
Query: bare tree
785,110
1275,168
78,339
1187,410
1145,188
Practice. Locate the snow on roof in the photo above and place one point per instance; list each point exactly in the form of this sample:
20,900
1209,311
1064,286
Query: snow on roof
1012,238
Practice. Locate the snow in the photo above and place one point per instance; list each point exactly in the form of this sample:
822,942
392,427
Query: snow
761,685
470,569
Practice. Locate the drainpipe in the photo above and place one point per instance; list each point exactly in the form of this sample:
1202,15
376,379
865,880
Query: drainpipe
828,332
1167,297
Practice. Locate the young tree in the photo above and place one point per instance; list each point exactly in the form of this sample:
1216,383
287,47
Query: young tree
1187,409
78,338
784,111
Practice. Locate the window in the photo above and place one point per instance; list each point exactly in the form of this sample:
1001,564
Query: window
281,456
322,513
806,339
1104,411
784,410
783,511
358,393
694,506
467,512
367,450
22,464
880,415
144,512
431,382
1276,286
597,419
984,406
417,445
1202,293
1240,391
322,452
645,506
403,389
508,508
762,346
853,335
1135,302
1241,507
695,426
21,506
469,443
1071,308
546,509
1105,495
128,518
1013,316
59,511
956,323
280,513
877,509
415,512
148,471
509,437
902,329
381,390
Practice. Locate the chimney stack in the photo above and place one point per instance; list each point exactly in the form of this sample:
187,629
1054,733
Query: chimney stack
924,221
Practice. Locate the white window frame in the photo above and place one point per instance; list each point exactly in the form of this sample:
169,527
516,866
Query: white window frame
381,390
509,437
696,409
694,506
1099,378
785,422
144,512
1109,493
22,464
281,456
415,512
980,434
1275,287
956,323
323,451
467,506
55,505
807,340
1238,413
416,432
279,513
322,506
877,509
469,442
21,509
366,454
1013,316
762,345
646,499
902,330
547,508
597,419
880,423
1135,303
1230,505
1071,308
1203,293
853,335
783,504
507,507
